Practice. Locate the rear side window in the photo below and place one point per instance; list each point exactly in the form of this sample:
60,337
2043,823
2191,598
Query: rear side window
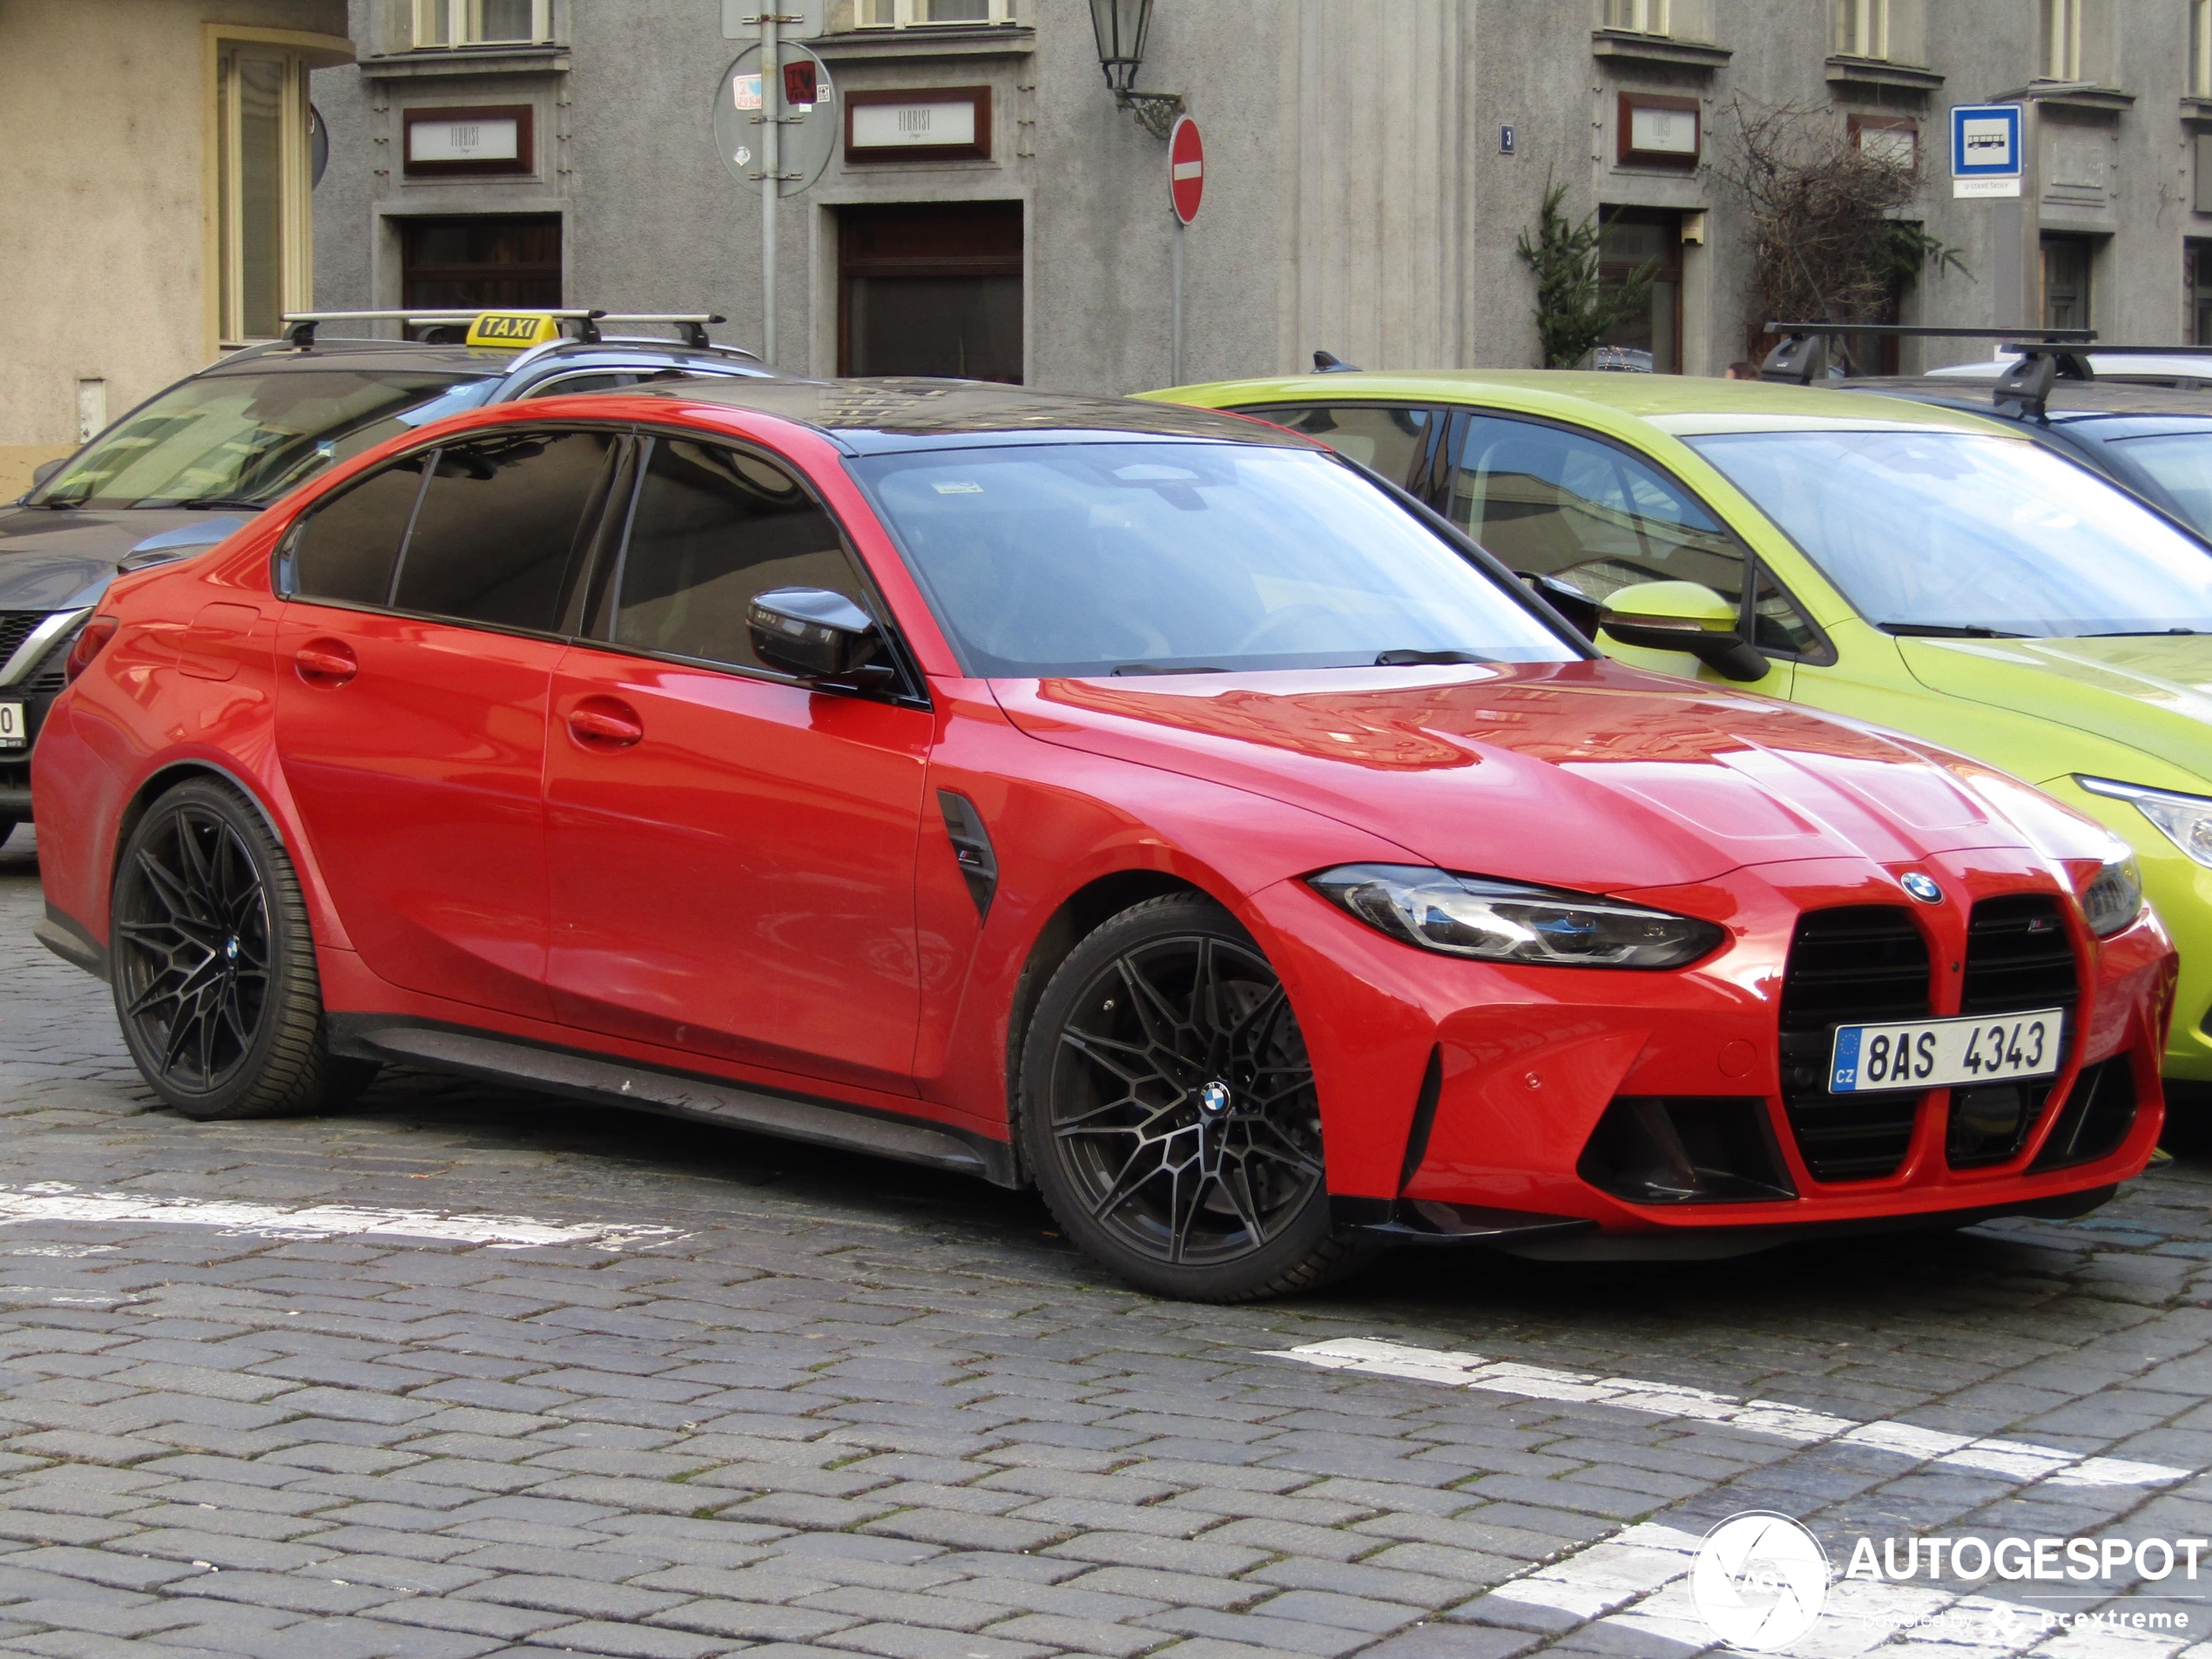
712,528
1385,439
346,549
499,537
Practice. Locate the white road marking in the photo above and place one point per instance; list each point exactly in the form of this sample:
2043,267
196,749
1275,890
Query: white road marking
59,1201
1637,1581
2017,1459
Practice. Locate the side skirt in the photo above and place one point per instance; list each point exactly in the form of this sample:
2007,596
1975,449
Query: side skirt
66,937
712,1100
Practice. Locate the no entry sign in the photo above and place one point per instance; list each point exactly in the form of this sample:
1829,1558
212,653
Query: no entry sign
1186,168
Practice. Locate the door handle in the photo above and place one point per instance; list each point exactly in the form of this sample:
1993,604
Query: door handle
326,661
605,723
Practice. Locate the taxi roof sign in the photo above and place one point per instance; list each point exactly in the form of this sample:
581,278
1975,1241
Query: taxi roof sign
513,330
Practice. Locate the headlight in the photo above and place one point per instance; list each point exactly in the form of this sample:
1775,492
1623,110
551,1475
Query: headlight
2185,820
2114,897
1508,922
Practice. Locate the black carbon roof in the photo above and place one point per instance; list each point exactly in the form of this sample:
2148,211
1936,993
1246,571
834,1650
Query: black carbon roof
906,412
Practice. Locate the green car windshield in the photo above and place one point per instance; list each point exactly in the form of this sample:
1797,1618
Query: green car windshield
1952,533
242,440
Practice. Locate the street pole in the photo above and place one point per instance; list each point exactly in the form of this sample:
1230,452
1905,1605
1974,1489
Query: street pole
772,109
1175,327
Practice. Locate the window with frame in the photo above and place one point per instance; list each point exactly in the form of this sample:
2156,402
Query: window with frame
1581,519
918,14
1391,439
1881,31
479,22
2200,47
2071,40
264,224
501,535
712,529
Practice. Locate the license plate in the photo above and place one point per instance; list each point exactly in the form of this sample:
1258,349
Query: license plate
12,729
1944,1054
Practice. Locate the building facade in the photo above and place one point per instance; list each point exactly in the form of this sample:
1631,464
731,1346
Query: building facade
1369,166
160,161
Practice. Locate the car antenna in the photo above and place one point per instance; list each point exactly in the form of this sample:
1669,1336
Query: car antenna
1330,363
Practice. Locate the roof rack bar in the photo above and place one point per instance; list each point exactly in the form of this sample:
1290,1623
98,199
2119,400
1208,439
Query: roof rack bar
1916,331
299,326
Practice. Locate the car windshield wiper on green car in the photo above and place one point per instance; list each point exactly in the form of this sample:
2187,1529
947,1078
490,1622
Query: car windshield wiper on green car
1945,630
2143,633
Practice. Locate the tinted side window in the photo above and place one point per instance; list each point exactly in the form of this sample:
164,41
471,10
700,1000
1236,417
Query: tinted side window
1389,440
346,549
499,536
712,528
1593,519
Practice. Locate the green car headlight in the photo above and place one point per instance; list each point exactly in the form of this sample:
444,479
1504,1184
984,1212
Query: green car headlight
2185,820
1508,922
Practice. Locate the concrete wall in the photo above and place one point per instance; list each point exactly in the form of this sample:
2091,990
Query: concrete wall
105,112
1356,196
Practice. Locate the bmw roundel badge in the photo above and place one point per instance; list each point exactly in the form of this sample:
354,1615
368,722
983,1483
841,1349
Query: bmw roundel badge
1922,888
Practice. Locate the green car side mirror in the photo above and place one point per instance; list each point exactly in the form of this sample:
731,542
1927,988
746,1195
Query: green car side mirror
1683,616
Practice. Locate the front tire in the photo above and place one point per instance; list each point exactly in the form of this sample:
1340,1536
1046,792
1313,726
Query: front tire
214,965
1168,1112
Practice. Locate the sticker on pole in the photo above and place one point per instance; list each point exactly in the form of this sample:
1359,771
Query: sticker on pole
1985,150
1186,168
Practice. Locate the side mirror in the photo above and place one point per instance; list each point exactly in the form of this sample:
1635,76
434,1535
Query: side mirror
816,634
46,470
1683,616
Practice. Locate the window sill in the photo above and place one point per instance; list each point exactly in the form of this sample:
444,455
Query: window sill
2197,109
927,40
2072,95
1625,45
1875,71
466,60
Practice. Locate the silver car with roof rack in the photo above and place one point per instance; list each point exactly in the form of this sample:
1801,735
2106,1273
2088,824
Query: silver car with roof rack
202,458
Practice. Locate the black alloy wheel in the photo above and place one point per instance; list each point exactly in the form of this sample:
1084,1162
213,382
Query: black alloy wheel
1169,1111
213,965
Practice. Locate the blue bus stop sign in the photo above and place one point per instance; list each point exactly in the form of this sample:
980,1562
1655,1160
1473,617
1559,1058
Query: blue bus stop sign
1985,150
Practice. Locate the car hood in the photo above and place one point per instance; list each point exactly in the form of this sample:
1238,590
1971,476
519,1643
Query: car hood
51,561
2152,692
1589,774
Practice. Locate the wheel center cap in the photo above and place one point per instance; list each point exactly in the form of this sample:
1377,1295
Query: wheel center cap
230,948
1213,1099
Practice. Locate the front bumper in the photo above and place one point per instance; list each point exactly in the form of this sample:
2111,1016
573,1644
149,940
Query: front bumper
1448,1083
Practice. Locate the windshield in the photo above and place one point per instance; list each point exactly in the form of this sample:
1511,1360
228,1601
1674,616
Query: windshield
2178,461
1954,533
1151,557
243,440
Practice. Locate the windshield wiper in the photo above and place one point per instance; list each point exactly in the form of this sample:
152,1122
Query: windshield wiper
1943,630
2142,633
1155,668
219,501
1424,659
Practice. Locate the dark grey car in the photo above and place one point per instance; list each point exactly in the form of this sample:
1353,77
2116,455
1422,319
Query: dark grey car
193,463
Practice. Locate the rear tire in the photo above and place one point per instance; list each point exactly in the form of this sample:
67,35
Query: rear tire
1168,1112
214,965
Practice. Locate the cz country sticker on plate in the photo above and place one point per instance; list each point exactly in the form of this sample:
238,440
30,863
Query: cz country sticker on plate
13,730
1946,1054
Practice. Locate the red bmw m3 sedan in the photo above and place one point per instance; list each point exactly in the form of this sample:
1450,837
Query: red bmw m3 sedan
1135,801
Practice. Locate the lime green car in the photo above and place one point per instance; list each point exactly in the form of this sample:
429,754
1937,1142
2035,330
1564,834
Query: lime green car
1899,563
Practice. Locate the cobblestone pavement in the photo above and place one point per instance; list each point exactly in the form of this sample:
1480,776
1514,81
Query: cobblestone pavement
844,1406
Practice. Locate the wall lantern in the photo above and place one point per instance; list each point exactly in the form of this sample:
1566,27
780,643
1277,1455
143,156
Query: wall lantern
1121,26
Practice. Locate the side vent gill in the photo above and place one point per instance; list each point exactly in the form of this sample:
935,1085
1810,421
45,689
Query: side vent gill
979,865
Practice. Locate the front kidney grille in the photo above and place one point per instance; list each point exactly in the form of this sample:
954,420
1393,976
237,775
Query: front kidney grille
1855,966
2019,956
